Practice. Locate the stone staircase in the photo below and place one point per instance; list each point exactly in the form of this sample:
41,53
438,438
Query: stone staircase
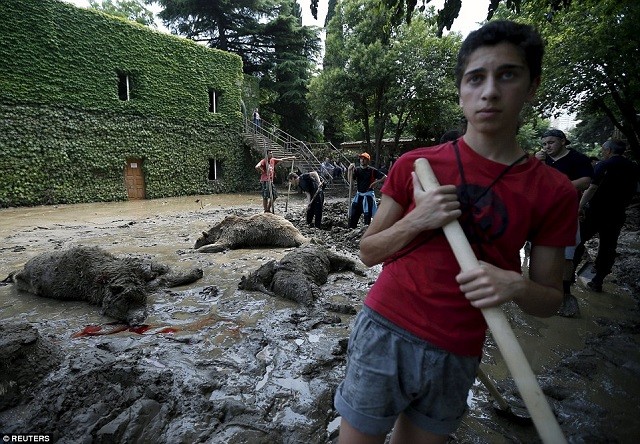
267,136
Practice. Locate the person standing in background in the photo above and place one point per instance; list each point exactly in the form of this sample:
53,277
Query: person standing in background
364,201
603,207
577,167
266,167
312,185
257,120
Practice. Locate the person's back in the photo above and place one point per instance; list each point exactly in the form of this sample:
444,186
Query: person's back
603,207
617,184
307,184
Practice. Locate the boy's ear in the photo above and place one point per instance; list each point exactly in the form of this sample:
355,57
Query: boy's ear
535,83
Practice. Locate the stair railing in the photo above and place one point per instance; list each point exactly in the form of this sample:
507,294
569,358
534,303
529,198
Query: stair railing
266,134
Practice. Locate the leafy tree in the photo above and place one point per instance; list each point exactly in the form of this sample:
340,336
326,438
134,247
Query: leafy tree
592,130
591,61
273,44
356,62
392,80
235,26
403,9
133,10
295,48
424,96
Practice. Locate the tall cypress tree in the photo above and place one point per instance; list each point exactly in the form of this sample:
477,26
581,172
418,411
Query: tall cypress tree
295,48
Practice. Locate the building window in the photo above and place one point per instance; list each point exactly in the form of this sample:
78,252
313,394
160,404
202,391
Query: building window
215,169
124,86
213,101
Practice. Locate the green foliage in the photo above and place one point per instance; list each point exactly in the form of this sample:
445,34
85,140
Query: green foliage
295,48
133,10
75,59
273,44
394,81
66,133
425,95
234,26
591,60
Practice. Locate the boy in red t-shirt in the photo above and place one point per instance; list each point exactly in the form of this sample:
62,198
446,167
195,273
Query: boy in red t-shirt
416,345
267,173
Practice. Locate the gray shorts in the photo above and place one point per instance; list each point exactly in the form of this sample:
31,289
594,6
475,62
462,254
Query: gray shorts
266,194
391,371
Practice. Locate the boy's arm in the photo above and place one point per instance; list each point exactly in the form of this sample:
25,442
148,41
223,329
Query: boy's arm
539,295
389,231
259,167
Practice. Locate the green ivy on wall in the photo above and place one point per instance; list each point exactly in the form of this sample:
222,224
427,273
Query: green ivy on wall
64,132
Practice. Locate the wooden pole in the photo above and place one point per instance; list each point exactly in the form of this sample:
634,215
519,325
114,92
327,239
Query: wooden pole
286,205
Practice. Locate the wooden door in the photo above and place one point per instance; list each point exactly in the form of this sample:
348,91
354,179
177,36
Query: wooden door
134,179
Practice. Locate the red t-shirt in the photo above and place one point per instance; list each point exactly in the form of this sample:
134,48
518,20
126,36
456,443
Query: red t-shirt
266,174
417,289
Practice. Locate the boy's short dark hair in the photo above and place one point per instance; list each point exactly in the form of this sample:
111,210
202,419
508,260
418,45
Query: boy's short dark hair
525,37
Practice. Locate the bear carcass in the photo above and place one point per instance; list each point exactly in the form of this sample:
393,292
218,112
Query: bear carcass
259,230
299,274
118,285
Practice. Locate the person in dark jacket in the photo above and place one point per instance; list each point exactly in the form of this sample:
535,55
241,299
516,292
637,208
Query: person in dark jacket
603,207
313,187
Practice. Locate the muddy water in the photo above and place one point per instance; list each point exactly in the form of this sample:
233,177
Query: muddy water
590,373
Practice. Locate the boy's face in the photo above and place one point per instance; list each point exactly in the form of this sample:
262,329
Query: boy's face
495,85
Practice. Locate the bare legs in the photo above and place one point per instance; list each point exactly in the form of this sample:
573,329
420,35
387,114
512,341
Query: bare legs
404,432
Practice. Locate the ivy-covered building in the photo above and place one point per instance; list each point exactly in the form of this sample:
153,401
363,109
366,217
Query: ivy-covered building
95,108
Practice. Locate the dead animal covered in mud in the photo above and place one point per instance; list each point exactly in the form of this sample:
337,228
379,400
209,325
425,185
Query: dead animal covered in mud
118,285
299,274
259,230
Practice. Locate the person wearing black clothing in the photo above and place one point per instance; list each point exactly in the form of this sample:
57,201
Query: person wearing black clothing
577,167
365,199
603,207
313,186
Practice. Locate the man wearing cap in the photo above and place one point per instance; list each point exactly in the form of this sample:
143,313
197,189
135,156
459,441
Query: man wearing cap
365,199
577,167
603,207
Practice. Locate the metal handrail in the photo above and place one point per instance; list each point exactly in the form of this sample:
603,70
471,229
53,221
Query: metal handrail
286,141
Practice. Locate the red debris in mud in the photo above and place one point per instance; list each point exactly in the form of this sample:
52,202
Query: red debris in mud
98,330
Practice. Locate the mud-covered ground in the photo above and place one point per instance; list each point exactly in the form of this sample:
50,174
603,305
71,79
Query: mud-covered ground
219,364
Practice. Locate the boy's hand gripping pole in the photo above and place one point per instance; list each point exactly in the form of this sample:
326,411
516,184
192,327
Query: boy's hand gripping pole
541,414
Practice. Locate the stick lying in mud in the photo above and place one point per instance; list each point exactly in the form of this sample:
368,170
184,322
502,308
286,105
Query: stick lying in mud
503,408
543,418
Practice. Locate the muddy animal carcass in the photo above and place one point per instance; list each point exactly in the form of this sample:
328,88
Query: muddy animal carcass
259,230
118,285
299,274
